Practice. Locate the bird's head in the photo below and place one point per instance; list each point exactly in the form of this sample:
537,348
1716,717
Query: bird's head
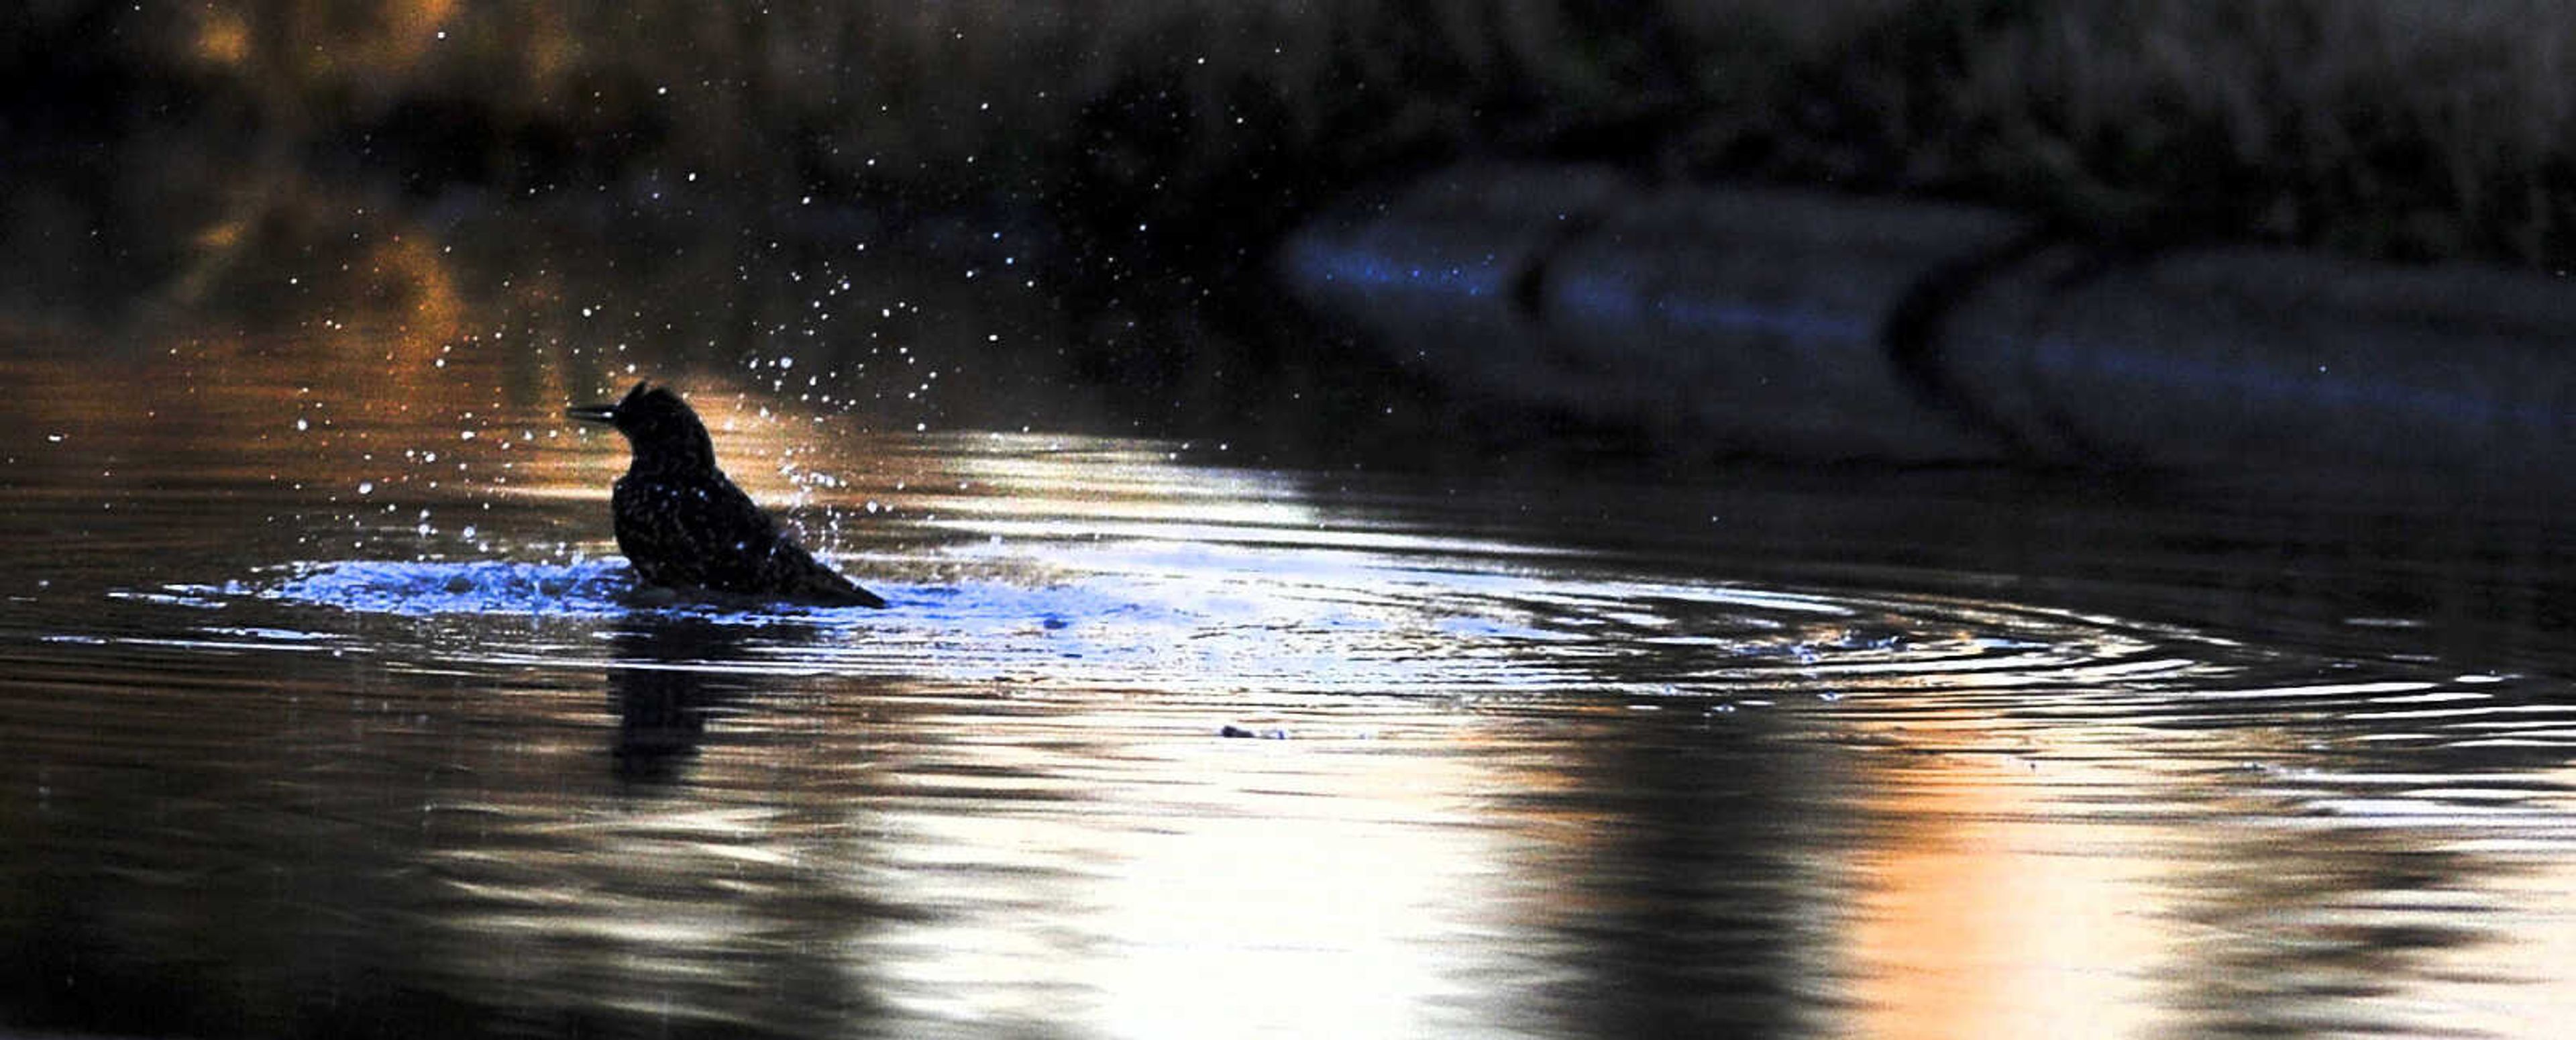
660,426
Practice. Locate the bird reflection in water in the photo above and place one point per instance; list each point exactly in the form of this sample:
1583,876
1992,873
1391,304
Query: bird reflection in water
665,680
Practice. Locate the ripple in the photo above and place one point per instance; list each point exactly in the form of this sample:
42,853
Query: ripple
1201,619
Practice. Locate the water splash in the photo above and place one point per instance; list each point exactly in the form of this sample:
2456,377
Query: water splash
472,587
1201,618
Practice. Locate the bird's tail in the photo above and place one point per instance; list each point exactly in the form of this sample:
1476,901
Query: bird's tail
819,585
849,595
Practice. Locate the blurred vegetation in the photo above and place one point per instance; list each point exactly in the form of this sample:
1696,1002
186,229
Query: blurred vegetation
683,165
2396,128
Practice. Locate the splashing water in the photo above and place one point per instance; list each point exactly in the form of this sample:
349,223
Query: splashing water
1153,615
424,588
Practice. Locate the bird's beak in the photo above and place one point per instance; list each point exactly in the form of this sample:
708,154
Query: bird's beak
598,413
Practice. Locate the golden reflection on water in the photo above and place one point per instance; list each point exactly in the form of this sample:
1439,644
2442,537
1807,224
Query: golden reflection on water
2063,880
2021,879
1976,916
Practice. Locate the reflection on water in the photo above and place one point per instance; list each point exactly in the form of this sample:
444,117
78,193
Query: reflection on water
326,718
661,692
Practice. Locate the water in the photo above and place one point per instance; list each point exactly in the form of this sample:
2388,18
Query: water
324,718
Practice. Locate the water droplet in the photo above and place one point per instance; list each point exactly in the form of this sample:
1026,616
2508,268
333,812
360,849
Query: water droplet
366,487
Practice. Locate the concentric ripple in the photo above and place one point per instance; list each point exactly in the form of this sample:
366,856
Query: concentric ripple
1198,617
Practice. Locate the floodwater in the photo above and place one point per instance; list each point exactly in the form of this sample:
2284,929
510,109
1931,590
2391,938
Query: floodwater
326,711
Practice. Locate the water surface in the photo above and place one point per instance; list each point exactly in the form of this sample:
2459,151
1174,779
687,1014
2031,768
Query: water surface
330,712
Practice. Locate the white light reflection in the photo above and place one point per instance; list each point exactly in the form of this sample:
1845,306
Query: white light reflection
1257,894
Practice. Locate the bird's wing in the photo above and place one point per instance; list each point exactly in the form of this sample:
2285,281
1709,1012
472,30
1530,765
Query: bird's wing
709,534
658,528
729,543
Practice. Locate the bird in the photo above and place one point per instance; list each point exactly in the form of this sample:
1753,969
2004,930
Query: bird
684,525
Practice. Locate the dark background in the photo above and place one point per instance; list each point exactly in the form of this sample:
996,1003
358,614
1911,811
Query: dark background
1140,161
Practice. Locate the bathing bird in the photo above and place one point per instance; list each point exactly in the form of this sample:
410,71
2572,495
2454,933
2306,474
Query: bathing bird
684,525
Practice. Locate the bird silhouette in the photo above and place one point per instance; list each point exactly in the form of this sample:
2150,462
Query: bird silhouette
682,524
